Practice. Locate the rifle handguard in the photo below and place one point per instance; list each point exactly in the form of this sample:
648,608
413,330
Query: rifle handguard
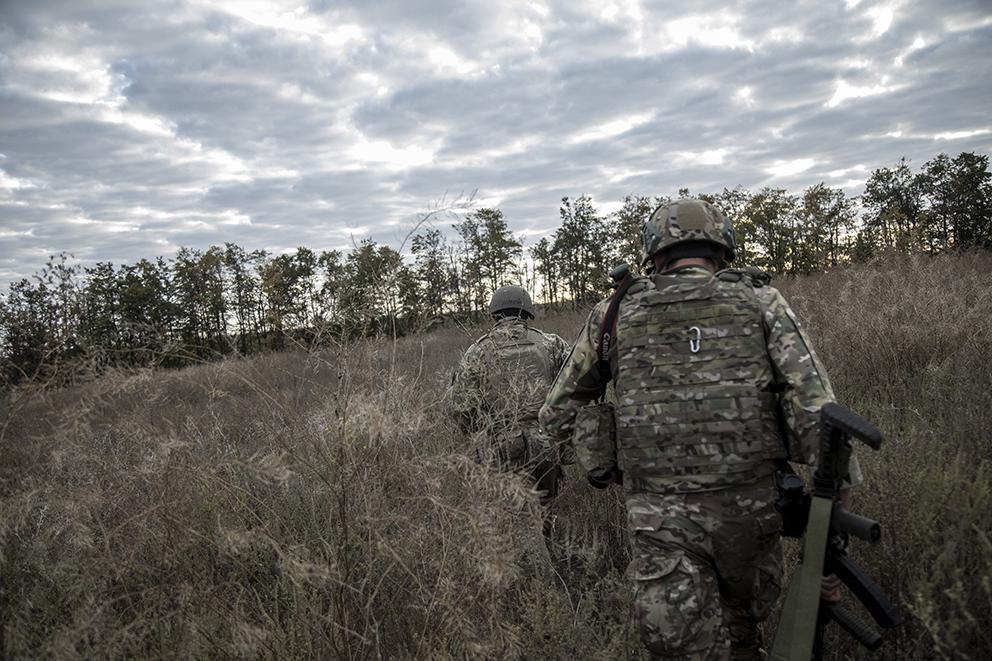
853,625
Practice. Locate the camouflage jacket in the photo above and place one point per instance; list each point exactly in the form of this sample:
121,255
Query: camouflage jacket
805,382
488,387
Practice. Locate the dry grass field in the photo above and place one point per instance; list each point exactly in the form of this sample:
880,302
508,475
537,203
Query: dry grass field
319,504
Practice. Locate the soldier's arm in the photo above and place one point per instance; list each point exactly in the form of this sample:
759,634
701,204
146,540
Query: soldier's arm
806,385
559,351
578,383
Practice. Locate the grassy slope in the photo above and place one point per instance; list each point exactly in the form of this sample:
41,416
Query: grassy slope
317,504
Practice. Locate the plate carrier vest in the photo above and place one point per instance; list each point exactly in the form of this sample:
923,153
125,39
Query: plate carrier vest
696,409
521,372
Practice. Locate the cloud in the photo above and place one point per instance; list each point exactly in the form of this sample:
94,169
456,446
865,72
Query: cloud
959,135
881,16
790,168
611,129
845,91
708,157
836,174
745,96
381,152
10,183
129,129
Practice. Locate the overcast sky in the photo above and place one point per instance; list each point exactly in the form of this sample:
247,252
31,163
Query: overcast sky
128,129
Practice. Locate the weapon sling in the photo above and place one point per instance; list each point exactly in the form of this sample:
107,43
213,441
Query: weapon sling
796,630
608,328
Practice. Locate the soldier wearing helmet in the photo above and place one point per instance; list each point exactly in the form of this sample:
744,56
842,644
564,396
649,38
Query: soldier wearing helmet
499,386
717,388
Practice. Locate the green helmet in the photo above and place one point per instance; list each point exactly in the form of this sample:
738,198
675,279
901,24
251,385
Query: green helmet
685,221
511,297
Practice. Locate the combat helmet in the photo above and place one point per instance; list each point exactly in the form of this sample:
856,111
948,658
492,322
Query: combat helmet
511,297
684,222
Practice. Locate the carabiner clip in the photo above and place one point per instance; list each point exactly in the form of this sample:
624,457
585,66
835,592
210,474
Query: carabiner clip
694,343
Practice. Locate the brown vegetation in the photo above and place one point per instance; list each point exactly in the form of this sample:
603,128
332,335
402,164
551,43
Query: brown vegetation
318,504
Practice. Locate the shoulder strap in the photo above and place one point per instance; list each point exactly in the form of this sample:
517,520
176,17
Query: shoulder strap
608,327
755,276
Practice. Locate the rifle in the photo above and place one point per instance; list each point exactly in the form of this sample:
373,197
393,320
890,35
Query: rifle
825,525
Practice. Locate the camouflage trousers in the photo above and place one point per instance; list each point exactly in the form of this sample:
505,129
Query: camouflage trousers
707,569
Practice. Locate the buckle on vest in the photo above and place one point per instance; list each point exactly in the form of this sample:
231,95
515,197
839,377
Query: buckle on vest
694,343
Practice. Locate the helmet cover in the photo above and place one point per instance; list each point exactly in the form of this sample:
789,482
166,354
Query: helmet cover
683,222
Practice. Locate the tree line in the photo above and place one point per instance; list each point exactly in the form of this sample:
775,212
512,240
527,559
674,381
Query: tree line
229,300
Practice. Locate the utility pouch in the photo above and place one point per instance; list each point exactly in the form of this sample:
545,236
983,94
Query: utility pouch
792,504
511,446
595,437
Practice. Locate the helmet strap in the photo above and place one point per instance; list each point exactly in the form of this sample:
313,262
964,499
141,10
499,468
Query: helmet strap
512,313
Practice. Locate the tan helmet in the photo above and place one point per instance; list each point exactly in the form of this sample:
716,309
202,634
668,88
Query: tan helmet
511,297
683,222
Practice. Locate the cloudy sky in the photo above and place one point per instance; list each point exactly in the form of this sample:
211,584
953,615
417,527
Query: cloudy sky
128,129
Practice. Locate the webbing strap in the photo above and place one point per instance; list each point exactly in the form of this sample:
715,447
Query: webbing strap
797,626
607,330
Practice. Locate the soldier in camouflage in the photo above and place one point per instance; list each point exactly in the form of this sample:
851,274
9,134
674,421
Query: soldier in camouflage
499,386
717,386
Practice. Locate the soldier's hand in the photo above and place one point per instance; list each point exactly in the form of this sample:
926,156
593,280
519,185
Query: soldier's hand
830,589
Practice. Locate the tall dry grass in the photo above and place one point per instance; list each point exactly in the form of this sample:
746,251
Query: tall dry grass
320,504
908,344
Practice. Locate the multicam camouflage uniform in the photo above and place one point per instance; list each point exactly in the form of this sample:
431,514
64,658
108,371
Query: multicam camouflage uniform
496,394
699,441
